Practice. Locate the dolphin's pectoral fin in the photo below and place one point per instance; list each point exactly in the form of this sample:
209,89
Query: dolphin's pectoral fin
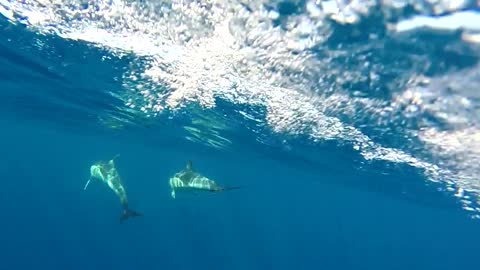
128,213
88,182
189,165
173,193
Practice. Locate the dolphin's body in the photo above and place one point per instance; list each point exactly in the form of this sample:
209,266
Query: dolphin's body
188,179
107,173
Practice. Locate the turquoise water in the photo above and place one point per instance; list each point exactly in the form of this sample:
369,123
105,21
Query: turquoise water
353,135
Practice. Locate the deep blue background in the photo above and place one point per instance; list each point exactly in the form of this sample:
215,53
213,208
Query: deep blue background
285,218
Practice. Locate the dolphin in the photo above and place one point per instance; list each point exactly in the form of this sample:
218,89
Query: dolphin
107,173
188,179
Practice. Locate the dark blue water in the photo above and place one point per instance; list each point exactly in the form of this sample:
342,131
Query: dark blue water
315,206
285,218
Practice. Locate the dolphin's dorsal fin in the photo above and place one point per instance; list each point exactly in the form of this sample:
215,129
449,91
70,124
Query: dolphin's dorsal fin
189,165
112,161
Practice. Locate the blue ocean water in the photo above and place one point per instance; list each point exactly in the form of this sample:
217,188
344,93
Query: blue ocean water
312,197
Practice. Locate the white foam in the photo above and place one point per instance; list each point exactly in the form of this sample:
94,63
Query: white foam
468,20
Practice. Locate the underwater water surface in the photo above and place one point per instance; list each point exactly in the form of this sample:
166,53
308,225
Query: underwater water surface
352,129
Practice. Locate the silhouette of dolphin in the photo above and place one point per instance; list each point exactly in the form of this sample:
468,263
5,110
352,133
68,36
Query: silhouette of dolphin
188,179
107,173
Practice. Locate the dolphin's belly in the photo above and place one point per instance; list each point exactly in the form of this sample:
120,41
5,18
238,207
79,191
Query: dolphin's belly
116,185
112,179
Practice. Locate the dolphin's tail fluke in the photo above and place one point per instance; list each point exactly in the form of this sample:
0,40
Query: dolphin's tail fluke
129,213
